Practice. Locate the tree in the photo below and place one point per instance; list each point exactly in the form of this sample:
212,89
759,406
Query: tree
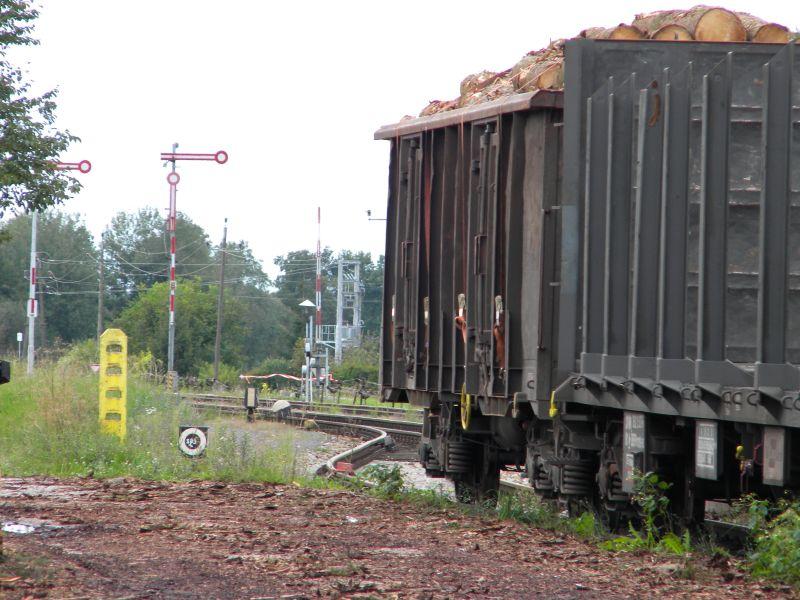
270,325
146,323
137,254
361,362
297,283
137,257
29,143
67,275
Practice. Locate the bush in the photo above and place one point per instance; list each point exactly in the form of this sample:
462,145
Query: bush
361,362
387,480
777,547
274,364
227,374
80,355
650,494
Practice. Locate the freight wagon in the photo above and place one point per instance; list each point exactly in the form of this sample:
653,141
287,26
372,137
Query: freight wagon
594,283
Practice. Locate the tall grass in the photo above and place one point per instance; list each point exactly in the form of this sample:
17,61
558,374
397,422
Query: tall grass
49,426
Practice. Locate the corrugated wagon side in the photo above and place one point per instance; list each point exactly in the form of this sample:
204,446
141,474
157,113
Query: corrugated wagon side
603,282
472,241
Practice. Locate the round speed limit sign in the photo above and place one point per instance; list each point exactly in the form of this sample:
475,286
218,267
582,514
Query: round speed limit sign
193,441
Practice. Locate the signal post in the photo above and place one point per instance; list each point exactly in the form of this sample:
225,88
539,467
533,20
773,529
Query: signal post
220,157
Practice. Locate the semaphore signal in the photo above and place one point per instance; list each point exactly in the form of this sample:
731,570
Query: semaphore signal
220,157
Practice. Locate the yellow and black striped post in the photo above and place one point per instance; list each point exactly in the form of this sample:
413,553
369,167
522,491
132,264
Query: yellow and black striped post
114,382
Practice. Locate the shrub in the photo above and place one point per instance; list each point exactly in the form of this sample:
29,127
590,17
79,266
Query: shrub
776,554
650,494
80,355
361,362
228,374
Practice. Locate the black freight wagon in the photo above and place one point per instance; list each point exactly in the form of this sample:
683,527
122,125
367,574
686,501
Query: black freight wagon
605,280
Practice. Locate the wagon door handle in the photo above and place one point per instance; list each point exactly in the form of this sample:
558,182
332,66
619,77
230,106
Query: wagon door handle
477,242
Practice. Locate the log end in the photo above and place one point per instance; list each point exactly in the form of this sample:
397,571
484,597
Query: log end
720,25
673,33
626,32
551,78
620,32
772,33
437,106
477,81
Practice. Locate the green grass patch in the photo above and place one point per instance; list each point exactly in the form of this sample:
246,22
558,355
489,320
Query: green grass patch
49,426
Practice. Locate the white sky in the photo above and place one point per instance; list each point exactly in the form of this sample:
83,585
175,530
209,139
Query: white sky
292,90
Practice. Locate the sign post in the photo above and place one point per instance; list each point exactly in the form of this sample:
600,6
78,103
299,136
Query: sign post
220,157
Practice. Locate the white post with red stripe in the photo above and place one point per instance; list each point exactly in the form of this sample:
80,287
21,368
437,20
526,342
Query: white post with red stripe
32,307
172,178
220,157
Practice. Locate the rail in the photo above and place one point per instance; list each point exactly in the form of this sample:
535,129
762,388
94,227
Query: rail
358,456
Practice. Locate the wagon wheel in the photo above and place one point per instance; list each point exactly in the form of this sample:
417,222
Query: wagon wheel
465,401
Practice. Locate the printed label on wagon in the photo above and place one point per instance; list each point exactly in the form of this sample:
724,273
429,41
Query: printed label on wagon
706,462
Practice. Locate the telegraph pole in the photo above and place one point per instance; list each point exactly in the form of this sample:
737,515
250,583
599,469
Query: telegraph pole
220,157
101,286
220,301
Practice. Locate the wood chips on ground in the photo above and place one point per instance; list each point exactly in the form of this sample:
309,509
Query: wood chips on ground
134,539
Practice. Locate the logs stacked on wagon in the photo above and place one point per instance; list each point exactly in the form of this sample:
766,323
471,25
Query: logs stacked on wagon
543,69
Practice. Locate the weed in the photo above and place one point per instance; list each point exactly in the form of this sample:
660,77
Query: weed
657,535
776,552
347,570
527,508
387,481
586,525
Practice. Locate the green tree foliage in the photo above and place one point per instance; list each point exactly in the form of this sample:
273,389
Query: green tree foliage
29,144
297,282
137,254
372,279
361,362
276,365
146,323
269,328
67,276
271,325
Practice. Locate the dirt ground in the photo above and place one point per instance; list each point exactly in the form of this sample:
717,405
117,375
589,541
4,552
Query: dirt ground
132,539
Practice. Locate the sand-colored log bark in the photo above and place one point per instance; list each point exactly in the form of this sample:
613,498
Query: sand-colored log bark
620,32
703,23
672,33
763,32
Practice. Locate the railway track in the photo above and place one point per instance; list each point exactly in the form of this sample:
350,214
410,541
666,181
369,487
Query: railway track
387,412
402,431
389,439
381,435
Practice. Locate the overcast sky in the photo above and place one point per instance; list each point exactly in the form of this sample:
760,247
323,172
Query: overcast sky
292,90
